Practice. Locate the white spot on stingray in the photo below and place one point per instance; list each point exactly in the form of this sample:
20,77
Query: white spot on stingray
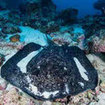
28,79
67,88
34,89
48,94
38,67
65,68
81,69
82,84
23,63
45,94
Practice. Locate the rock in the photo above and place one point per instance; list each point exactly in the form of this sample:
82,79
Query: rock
2,59
14,17
95,98
72,36
50,28
11,30
13,97
96,43
101,98
2,5
47,103
3,84
100,5
68,16
2,35
29,7
15,38
93,103
89,95
1,18
36,17
92,24
102,86
13,5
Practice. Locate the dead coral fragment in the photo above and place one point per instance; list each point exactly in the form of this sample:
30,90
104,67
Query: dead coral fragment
13,97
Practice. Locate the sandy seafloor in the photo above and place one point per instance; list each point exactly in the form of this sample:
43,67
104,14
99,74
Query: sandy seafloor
10,95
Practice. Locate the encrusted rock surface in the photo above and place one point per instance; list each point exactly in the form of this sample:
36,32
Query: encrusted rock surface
10,30
1,59
96,42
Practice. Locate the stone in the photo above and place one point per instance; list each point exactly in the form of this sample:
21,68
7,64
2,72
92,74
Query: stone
68,16
11,29
15,38
90,95
2,35
102,86
2,59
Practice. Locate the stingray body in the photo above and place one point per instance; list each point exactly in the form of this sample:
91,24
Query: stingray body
51,72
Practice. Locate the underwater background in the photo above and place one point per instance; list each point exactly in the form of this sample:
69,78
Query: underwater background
84,7
79,23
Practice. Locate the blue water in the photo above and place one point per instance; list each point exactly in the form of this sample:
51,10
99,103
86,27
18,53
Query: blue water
85,7
13,4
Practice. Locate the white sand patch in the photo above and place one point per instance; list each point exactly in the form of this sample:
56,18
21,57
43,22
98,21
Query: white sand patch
81,69
78,29
29,34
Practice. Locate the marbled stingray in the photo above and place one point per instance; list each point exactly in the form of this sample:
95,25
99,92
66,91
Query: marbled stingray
50,72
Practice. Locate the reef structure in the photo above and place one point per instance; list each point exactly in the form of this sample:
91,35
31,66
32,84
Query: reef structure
50,72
